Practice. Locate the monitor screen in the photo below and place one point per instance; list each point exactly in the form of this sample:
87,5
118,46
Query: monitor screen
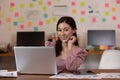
101,37
30,38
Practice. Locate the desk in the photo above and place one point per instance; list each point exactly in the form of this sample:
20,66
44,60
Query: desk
46,77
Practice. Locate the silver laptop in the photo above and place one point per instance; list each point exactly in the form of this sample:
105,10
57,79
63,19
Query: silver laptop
35,60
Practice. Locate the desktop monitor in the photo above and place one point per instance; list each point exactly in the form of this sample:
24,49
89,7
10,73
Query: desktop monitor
101,37
30,38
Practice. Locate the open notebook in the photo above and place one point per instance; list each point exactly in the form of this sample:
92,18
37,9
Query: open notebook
35,60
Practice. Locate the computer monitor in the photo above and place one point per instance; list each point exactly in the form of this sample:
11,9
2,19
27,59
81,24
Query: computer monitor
30,38
101,37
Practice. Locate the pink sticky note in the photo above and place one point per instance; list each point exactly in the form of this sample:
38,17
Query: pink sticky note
0,22
0,8
73,3
93,19
105,47
16,14
114,18
40,23
118,1
49,3
12,4
82,12
106,5
118,26
21,26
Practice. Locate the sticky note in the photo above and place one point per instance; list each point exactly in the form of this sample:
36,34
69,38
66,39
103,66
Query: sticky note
31,5
47,21
44,8
54,19
82,4
29,23
113,9
90,47
101,47
103,19
105,47
0,22
8,20
11,9
22,6
45,15
34,0
106,5
40,2
40,23
82,12
118,26
82,19
16,14
21,19
73,3
15,23
114,17
9,28
74,11
93,19
12,4
21,26
35,28
106,13
49,3
118,1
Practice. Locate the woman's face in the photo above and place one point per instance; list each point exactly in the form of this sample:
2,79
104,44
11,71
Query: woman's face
65,32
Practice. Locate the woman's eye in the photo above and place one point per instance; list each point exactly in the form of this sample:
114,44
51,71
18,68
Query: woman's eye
59,30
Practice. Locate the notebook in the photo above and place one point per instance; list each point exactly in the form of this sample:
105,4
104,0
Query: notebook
35,60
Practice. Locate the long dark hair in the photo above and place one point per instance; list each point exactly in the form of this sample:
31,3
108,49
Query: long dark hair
70,21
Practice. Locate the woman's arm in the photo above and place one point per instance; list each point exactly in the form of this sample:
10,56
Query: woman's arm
75,58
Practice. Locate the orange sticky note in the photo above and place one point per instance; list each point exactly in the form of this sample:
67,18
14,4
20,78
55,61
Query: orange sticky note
29,23
8,20
74,11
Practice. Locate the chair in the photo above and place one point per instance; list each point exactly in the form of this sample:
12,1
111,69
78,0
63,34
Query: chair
110,59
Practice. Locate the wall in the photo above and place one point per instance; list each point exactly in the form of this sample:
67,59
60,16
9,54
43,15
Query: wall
42,15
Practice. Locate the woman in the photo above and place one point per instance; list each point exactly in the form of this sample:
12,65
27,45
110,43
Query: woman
69,55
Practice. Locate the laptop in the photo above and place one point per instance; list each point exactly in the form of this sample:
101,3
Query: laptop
35,60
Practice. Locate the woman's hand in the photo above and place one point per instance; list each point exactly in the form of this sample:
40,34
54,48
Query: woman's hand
71,42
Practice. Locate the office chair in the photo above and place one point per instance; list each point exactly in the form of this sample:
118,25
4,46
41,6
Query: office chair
110,59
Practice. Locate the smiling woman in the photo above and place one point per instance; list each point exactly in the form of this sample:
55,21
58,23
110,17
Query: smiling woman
69,55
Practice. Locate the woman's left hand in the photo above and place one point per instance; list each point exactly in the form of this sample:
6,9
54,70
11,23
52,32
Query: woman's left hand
71,42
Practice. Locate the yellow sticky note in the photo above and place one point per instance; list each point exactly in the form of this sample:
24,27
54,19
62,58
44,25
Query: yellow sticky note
21,19
11,9
101,47
47,21
22,6
82,19
31,5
